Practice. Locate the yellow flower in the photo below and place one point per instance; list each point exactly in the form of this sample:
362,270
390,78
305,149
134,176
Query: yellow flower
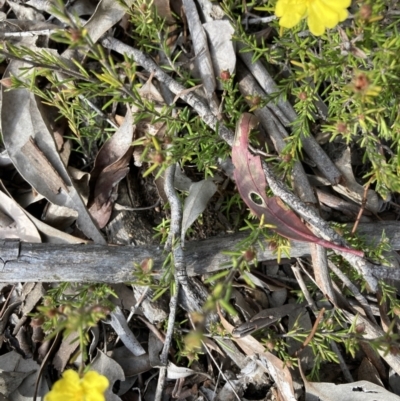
320,14
72,388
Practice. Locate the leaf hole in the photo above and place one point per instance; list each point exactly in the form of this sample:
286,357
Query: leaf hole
256,198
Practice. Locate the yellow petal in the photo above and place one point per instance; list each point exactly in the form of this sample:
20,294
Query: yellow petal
66,387
339,7
328,17
343,14
291,12
71,376
337,3
321,14
94,381
72,388
95,397
315,25
281,7
289,21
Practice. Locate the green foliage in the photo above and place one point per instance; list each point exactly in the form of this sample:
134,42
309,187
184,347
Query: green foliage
149,29
389,296
355,73
191,346
375,251
74,308
144,276
242,258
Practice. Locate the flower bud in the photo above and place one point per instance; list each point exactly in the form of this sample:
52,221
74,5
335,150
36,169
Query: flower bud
157,158
254,100
303,96
225,75
52,313
37,322
272,246
365,11
361,82
249,255
341,127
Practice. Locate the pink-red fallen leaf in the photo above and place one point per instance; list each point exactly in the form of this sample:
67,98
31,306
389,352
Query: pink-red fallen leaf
251,184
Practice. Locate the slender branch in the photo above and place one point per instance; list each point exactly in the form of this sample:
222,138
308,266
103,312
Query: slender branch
312,333
343,365
45,32
180,269
176,207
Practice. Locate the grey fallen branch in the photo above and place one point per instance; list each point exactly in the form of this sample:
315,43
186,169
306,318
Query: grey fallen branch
29,262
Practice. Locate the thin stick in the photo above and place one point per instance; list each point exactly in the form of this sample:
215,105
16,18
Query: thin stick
346,372
44,32
363,203
312,333
303,287
43,364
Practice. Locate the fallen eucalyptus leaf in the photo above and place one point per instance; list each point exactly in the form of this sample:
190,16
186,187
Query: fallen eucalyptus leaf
119,324
21,227
222,48
176,372
110,167
195,203
106,15
250,180
357,391
10,381
111,369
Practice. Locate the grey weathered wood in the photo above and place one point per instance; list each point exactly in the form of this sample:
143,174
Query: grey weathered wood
113,264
